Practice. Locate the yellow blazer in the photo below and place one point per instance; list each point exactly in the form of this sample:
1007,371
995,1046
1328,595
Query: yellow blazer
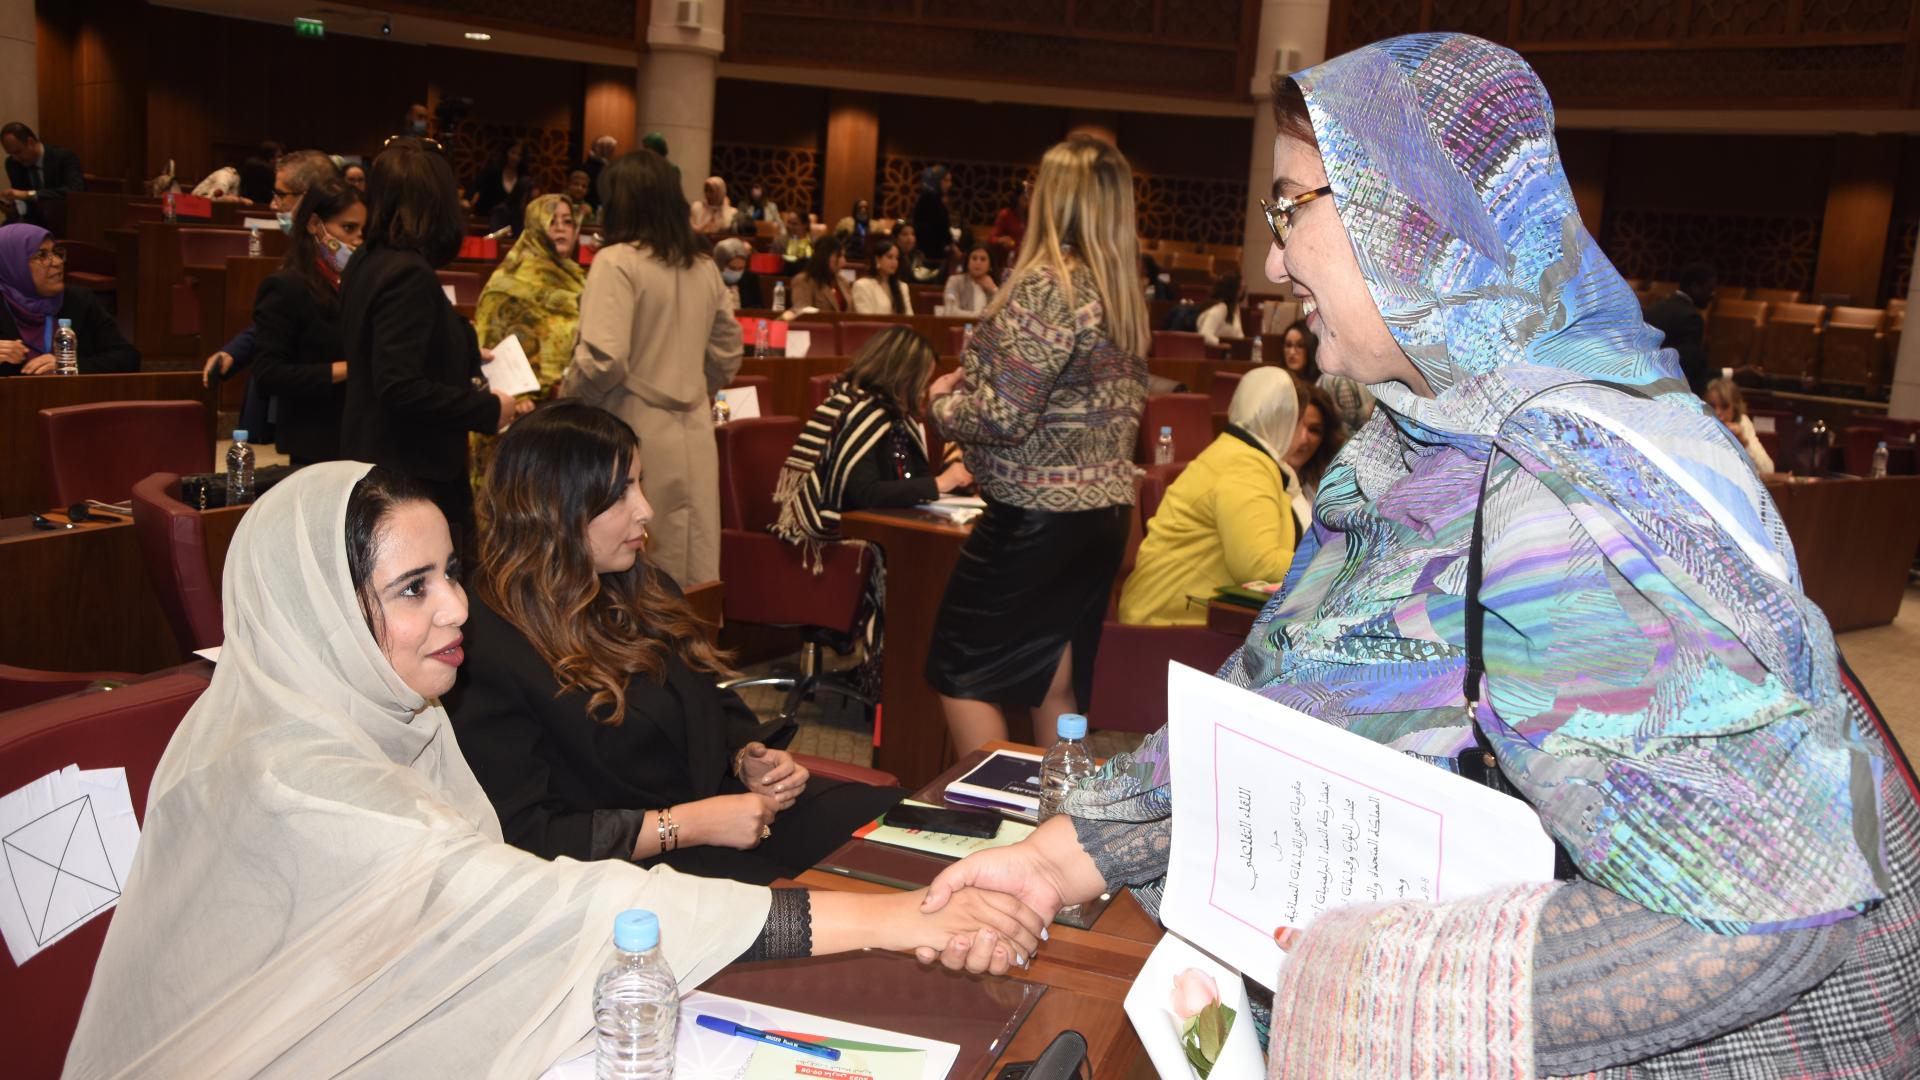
1227,520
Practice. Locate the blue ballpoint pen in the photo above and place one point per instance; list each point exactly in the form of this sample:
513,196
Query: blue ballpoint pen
728,1027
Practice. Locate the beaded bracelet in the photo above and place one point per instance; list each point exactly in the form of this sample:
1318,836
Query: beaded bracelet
667,830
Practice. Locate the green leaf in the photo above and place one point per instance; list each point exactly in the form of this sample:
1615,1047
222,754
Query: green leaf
1201,1064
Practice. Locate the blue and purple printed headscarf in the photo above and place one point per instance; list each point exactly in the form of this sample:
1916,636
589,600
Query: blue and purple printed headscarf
1658,685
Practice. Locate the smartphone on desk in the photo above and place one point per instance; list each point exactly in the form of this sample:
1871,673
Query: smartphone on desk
951,822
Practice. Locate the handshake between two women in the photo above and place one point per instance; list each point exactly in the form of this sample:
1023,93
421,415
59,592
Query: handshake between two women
1041,875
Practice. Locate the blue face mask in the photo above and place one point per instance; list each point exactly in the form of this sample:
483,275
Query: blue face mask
732,277
286,221
338,254
419,127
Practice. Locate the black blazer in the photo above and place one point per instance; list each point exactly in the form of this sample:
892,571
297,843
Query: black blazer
296,343
752,297
60,173
932,228
547,765
103,349
1686,332
893,473
411,360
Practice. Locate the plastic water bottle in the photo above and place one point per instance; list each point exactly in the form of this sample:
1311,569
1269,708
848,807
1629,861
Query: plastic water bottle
779,296
66,349
1879,469
1818,443
1065,765
1163,447
239,470
722,412
1254,351
760,337
636,1004
170,207
253,242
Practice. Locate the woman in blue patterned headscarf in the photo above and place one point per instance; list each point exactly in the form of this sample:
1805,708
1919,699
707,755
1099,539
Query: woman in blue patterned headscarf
1656,684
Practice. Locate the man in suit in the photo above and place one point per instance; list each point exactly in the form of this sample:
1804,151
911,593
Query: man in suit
1678,317
37,174
604,149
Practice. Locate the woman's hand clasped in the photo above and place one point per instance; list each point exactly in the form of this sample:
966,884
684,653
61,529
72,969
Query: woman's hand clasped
730,821
984,931
945,384
773,774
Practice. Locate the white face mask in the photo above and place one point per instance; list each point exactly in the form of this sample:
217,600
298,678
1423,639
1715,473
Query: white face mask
286,221
731,277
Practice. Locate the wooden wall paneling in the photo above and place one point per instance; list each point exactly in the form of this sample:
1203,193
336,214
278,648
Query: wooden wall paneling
610,108
852,155
1853,238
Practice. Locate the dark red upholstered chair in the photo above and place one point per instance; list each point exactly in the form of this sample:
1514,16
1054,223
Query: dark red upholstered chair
820,387
20,687
1130,671
1178,345
1220,389
853,335
825,337
100,451
466,285
211,247
173,544
1189,415
126,728
767,583
93,266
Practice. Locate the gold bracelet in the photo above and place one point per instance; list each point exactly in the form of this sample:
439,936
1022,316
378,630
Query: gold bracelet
666,830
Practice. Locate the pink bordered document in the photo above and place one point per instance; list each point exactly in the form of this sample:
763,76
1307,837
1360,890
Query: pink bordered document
1278,817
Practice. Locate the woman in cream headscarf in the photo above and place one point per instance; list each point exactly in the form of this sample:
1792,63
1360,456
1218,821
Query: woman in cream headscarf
713,214
1230,517
320,887
534,295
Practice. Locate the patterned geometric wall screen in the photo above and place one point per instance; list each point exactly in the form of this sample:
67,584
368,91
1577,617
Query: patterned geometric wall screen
1764,252
547,156
791,176
1168,207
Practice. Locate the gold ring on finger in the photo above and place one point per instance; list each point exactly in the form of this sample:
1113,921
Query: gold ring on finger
765,831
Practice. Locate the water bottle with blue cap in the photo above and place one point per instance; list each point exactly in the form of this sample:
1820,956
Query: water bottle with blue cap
636,1004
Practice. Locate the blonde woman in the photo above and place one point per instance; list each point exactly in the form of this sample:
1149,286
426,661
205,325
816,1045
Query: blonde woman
1047,402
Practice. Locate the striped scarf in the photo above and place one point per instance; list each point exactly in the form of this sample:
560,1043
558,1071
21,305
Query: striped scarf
846,427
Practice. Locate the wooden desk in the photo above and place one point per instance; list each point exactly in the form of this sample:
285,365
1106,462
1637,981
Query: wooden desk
921,550
23,484
1855,541
1088,972
80,599
1234,620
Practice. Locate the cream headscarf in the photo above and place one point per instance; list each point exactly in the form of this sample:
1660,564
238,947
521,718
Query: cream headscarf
1266,405
320,887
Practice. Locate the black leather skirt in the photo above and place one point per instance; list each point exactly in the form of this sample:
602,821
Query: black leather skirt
1028,584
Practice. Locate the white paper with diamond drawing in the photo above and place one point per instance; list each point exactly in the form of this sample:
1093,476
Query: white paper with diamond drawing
66,844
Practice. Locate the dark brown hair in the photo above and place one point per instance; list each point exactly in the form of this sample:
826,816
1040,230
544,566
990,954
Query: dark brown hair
1333,431
373,500
325,200
553,472
820,264
1290,114
641,203
413,203
896,364
896,290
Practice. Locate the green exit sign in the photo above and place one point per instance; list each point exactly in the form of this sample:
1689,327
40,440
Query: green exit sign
311,28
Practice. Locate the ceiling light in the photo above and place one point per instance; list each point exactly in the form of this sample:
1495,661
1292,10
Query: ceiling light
475,35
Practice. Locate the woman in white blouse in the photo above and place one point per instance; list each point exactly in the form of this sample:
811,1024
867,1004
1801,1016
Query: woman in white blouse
1221,320
968,293
880,290
1724,397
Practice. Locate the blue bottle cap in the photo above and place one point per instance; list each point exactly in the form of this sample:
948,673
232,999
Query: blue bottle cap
636,930
239,434
1071,726
1168,430
66,324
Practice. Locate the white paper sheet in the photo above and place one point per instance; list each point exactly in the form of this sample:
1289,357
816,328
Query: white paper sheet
1278,817
799,341
1149,1007
959,509
508,371
700,1054
743,402
66,844
211,652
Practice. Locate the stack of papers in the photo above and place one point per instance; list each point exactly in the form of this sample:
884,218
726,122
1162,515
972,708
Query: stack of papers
509,372
66,844
959,509
1008,781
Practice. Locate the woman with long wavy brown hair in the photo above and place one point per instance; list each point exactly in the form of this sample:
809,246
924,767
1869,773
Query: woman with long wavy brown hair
590,711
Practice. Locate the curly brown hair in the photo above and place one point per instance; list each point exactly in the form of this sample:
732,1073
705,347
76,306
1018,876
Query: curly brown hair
553,472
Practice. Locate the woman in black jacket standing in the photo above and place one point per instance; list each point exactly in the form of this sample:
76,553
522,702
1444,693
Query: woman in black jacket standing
932,221
300,361
413,363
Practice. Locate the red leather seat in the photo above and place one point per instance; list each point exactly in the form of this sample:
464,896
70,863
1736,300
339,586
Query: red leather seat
100,451
173,544
854,335
820,387
1220,389
127,728
1130,671
93,266
1178,345
767,583
824,337
20,687
1189,415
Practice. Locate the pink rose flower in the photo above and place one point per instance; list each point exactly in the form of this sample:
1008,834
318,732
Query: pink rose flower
1193,990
